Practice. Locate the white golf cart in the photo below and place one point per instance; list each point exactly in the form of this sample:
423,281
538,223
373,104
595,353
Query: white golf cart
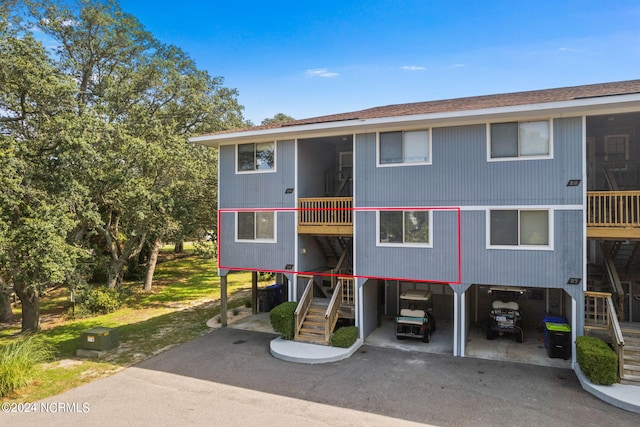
415,319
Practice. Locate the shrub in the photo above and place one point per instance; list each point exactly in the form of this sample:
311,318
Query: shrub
205,250
97,300
344,337
598,362
283,319
18,359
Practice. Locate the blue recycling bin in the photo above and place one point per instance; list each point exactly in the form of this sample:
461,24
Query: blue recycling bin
276,292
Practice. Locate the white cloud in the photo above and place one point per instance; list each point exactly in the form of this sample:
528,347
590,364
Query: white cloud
321,72
414,68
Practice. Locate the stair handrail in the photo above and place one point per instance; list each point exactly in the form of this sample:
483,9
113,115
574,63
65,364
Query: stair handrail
303,307
614,280
331,314
615,332
612,325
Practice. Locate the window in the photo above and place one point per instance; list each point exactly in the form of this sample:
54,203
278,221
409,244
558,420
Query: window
410,147
404,228
519,228
523,139
256,157
616,151
257,226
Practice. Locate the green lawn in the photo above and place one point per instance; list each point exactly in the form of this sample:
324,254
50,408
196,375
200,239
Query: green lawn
185,295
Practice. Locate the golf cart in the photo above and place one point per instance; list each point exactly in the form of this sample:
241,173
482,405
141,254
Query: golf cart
505,316
415,319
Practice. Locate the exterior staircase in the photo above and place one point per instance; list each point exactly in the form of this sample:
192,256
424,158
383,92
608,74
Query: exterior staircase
313,325
631,334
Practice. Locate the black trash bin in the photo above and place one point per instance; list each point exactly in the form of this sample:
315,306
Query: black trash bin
559,337
265,300
553,319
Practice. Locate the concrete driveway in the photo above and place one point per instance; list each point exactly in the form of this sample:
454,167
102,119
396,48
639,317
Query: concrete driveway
228,378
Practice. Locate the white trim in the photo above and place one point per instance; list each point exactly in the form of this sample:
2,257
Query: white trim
584,208
463,322
574,323
275,228
551,221
218,216
530,207
296,237
427,245
576,107
519,158
456,326
275,159
405,164
354,214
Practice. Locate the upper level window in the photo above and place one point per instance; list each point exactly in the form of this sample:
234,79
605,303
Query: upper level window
519,227
616,151
408,147
256,157
256,226
404,228
520,139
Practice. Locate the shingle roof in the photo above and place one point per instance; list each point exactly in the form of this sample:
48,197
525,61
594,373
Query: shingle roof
471,103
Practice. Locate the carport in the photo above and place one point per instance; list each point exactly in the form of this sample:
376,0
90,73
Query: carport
384,304
535,304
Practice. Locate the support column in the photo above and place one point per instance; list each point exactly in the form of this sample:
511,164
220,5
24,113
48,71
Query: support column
254,292
223,301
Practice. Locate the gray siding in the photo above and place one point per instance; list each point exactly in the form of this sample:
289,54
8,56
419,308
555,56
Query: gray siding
264,190
460,174
433,264
257,256
535,268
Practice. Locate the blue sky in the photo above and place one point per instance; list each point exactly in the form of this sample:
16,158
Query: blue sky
311,58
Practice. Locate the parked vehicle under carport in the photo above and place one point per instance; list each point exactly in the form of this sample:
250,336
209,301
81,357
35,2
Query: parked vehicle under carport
416,320
505,316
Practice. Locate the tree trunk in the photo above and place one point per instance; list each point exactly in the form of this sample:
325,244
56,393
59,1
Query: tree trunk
179,247
30,301
6,313
151,264
116,273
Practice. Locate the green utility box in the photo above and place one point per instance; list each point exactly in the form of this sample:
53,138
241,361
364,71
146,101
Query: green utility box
99,339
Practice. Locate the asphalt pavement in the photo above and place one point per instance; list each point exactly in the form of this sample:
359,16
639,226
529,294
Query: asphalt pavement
229,378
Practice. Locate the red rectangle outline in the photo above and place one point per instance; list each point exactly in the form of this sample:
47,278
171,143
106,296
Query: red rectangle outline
365,209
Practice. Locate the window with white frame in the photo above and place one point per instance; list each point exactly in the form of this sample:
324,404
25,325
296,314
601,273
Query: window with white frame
256,226
520,139
256,157
404,228
519,227
404,147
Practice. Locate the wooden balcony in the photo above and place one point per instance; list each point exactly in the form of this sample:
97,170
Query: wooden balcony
613,215
327,216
